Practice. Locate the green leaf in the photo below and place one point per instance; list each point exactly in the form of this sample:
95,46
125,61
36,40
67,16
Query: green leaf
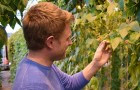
66,1
13,23
4,20
134,37
91,2
4,7
130,8
135,26
123,32
115,42
18,21
12,20
7,1
74,2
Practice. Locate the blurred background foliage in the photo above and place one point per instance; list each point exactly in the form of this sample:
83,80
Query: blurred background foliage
8,9
3,40
95,20
17,50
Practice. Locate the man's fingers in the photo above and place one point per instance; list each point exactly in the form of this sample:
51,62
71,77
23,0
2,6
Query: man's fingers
108,47
103,46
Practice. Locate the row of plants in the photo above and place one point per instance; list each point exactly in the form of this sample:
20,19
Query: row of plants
8,10
17,50
96,20
3,40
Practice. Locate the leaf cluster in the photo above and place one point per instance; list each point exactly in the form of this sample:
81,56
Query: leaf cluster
8,10
107,22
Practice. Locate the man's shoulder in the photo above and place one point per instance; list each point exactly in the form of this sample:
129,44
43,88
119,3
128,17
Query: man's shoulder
30,77
31,71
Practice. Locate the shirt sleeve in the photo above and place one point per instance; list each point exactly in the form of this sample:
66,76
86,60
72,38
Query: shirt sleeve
74,82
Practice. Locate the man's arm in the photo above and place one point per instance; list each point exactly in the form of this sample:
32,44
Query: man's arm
74,82
101,57
79,80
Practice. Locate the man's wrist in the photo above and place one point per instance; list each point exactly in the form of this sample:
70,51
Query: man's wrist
95,65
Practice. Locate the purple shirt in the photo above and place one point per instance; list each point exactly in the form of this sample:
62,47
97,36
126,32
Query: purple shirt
33,76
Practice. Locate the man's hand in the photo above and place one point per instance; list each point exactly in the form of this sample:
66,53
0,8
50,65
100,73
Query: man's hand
102,54
101,57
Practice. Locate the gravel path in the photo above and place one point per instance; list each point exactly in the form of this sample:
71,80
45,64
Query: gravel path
5,78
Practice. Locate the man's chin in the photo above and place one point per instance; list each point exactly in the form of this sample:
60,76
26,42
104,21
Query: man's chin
61,58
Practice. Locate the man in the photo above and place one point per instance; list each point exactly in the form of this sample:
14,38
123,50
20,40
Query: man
47,33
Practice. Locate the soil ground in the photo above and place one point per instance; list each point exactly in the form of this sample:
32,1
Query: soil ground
5,80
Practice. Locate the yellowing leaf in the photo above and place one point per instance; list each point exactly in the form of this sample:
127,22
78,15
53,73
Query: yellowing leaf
89,42
99,7
135,26
90,17
134,37
115,42
111,7
123,32
123,25
77,21
92,42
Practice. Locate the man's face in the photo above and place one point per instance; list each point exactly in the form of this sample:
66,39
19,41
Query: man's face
63,43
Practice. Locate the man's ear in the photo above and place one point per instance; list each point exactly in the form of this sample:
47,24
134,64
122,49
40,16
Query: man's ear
50,42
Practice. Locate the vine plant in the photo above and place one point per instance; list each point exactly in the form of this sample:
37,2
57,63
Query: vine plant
108,21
